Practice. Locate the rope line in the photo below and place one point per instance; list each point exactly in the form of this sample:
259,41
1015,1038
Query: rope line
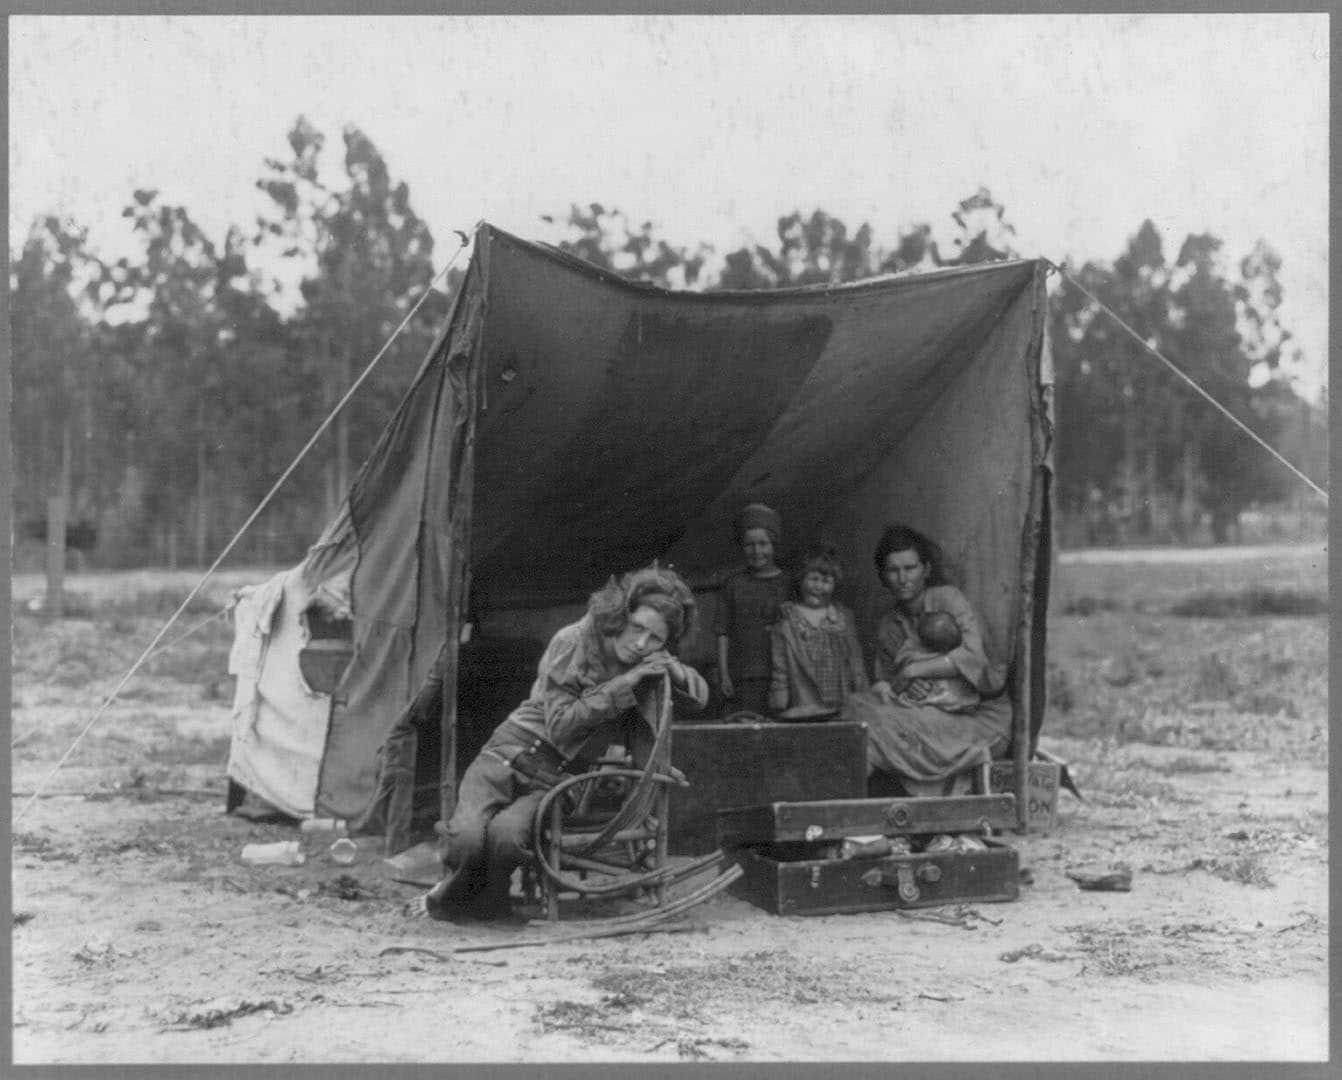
195,629
321,430
161,649
1186,378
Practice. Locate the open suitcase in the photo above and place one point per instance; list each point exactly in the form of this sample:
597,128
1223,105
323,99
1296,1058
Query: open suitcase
791,854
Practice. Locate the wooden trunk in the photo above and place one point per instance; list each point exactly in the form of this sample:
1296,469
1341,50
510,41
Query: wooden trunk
834,819
791,854
782,880
737,765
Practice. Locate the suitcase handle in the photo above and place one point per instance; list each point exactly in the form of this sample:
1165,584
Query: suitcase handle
904,880
899,878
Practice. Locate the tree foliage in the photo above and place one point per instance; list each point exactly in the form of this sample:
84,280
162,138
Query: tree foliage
1139,450
171,386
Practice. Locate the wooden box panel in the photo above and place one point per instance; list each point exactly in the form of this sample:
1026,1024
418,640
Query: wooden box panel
834,819
1041,789
784,882
731,765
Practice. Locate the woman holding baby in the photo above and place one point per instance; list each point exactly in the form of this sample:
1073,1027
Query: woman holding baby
936,708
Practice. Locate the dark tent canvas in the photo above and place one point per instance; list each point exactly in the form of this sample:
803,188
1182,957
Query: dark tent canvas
568,424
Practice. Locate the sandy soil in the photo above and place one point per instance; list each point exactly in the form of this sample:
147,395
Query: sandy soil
140,936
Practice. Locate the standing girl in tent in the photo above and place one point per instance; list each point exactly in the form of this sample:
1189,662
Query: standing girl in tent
582,701
747,606
816,658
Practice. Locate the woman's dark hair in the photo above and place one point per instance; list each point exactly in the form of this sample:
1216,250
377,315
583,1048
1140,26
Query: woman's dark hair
822,557
903,538
662,590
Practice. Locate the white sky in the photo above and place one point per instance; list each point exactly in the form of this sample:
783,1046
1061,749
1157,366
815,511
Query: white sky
712,127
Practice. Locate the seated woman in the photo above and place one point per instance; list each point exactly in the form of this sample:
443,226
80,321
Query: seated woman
920,730
582,701
817,661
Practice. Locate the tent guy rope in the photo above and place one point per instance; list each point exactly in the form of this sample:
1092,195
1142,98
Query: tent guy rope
1186,378
265,501
160,650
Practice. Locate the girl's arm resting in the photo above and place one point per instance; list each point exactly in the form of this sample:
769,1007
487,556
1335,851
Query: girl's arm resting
569,714
778,683
857,665
688,683
724,672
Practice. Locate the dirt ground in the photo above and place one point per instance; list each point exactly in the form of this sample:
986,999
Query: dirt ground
1200,744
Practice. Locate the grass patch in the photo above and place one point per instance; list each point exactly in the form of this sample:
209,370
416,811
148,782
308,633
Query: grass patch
160,600
1185,764
1155,585
1241,869
32,844
766,976
1216,679
1250,602
190,751
1089,605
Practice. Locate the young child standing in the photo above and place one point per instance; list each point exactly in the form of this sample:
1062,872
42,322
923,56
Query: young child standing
817,660
747,606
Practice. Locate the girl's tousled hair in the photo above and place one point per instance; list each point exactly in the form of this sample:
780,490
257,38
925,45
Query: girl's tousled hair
822,557
903,538
662,590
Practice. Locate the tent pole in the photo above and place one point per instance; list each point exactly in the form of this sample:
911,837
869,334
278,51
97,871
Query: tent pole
459,563
458,577
1020,721
1036,539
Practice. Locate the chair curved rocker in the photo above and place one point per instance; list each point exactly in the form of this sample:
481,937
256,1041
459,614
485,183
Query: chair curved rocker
603,833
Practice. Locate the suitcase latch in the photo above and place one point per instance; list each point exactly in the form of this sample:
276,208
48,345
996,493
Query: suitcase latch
815,877
907,886
898,816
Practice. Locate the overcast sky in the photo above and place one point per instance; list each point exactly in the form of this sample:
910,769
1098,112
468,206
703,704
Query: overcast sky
712,127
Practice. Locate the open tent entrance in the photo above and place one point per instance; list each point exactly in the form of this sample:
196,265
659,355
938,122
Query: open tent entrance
567,425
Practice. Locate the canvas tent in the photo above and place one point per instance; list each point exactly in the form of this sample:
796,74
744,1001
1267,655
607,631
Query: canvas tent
568,424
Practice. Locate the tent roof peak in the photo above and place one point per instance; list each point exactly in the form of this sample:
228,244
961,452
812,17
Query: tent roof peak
871,284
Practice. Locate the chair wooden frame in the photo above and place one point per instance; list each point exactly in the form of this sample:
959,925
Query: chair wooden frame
572,840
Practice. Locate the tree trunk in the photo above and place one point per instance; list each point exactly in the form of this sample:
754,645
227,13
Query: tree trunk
330,470
342,424
1149,518
201,491
1188,503
1128,515
57,506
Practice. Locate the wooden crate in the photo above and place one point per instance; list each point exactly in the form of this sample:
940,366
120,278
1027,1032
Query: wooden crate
1042,784
731,765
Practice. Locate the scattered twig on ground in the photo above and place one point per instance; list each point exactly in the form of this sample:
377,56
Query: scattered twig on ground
942,997
1033,951
141,793
1115,879
559,939
224,1011
959,915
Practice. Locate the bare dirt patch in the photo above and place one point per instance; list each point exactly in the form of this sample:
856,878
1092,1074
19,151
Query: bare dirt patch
140,935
